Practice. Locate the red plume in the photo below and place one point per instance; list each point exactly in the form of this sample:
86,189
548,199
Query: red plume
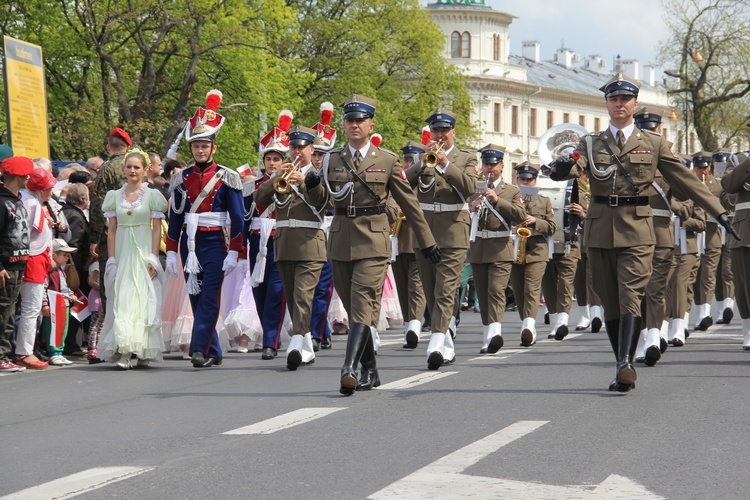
213,99
285,120
376,140
426,134
326,113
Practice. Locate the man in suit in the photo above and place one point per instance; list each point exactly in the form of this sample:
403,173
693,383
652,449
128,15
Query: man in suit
495,208
443,189
621,163
299,242
735,183
533,253
359,178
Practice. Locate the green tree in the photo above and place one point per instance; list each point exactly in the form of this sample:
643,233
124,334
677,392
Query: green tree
715,91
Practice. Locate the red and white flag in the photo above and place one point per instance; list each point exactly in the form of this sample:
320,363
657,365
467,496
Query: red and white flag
58,307
80,309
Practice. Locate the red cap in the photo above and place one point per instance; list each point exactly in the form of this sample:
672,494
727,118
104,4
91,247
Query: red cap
17,165
118,132
40,180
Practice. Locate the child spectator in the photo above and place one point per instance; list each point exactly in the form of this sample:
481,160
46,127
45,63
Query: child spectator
56,309
97,315
14,252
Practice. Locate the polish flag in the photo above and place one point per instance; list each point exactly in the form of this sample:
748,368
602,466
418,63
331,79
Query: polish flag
58,306
80,310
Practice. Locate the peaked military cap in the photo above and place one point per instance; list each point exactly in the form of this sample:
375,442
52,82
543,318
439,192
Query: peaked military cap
686,160
412,148
721,156
301,136
644,119
358,107
620,85
526,171
702,159
492,154
442,118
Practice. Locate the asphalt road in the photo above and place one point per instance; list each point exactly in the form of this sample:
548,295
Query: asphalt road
524,423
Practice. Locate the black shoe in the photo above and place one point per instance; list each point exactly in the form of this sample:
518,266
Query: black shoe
653,354
687,333
356,343
452,332
629,331
348,381
495,344
95,361
562,332
677,342
316,345
412,340
326,343
527,338
640,360
705,323
663,345
483,350
198,359
293,360
614,386
434,360
546,318
268,353
726,316
596,325
447,362
368,379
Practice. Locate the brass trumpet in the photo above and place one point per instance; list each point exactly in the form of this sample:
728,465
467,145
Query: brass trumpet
396,227
430,158
281,183
523,233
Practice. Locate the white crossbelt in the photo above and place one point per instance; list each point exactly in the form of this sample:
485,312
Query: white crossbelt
488,235
293,223
658,212
742,206
443,207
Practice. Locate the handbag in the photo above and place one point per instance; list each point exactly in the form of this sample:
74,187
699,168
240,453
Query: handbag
71,276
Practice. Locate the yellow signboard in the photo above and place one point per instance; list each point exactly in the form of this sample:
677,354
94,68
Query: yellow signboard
26,98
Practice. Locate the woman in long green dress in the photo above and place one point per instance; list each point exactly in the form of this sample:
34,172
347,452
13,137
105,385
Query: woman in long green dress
132,324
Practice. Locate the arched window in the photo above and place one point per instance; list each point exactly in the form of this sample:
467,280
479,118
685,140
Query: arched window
455,45
466,45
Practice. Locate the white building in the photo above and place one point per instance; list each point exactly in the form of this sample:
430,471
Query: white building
517,98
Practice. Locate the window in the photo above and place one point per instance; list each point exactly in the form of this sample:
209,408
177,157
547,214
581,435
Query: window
532,122
566,117
582,121
496,127
550,119
514,120
496,47
460,45
597,124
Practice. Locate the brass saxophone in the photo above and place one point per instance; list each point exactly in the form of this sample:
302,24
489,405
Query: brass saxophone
523,233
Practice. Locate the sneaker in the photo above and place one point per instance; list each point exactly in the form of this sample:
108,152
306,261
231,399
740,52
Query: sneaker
93,353
10,367
59,360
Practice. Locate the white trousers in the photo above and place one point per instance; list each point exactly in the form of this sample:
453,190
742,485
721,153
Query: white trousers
31,308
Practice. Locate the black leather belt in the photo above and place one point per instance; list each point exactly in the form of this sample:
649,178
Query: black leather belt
615,201
351,211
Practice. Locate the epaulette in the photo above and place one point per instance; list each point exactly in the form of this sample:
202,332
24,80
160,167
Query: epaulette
651,132
469,151
388,151
337,150
248,188
175,181
231,178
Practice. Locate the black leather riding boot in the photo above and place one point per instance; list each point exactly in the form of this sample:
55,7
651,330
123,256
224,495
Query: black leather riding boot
356,341
368,376
630,330
613,333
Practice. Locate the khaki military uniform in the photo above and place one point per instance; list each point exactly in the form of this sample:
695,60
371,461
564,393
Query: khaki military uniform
299,245
111,178
526,279
684,265
735,184
620,238
557,282
411,296
358,241
443,197
491,253
705,282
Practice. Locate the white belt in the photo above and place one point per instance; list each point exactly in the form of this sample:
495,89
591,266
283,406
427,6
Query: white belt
256,223
212,219
488,235
742,206
292,223
658,212
443,207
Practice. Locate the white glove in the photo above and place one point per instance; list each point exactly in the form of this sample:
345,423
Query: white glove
172,263
243,265
230,262
110,272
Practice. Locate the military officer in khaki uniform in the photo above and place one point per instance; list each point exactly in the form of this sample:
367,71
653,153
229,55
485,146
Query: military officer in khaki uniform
495,209
359,178
411,296
443,189
705,282
621,163
533,253
724,290
735,182
299,242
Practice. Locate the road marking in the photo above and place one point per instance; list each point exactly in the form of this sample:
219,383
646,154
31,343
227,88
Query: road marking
414,381
77,484
284,421
444,477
